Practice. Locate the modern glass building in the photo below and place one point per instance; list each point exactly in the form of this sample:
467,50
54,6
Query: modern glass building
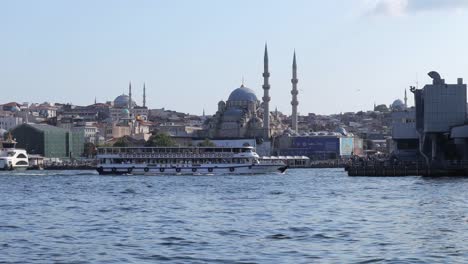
48,141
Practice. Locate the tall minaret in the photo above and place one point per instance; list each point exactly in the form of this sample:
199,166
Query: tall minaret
406,100
144,95
130,96
266,96
294,93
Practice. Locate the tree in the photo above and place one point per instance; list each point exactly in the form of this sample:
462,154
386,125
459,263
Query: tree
207,143
160,140
122,142
89,149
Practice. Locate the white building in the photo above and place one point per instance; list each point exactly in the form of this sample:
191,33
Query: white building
9,122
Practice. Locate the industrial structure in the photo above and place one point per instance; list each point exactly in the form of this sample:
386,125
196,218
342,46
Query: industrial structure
441,115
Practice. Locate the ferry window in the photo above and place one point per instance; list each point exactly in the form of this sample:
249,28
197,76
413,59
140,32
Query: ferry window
21,156
21,162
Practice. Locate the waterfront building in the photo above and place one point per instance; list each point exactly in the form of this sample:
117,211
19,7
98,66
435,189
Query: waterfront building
318,145
405,138
48,141
440,107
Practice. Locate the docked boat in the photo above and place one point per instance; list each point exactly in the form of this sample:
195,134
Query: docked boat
12,158
183,160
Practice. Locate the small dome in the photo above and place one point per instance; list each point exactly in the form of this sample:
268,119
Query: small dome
121,101
125,111
234,112
243,94
2,132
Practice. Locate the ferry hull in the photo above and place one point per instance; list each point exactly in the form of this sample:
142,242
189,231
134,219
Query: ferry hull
235,170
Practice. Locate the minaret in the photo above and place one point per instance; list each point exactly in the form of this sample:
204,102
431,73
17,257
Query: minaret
129,96
406,100
266,97
144,95
294,93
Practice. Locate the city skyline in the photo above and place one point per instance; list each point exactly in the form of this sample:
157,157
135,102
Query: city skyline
350,54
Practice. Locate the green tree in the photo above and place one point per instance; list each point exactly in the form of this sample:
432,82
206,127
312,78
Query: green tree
122,142
206,143
89,149
160,140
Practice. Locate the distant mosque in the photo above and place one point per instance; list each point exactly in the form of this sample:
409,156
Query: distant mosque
126,112
244,116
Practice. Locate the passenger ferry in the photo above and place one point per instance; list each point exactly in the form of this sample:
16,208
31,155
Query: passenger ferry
12,158
183,160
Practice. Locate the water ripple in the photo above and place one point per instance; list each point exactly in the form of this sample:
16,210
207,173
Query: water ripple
304,216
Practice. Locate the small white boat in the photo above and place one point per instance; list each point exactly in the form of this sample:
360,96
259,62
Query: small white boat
183,161
12,158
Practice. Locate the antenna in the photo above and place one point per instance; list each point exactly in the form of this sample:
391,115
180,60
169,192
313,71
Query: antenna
417,81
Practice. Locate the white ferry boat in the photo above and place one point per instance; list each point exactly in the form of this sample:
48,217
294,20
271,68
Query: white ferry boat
183,160
12,158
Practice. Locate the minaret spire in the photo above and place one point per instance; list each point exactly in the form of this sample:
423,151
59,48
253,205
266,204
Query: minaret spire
129,96
144,95
266,96
406,100
294,93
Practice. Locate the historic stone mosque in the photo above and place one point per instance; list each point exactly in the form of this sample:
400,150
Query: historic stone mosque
244,116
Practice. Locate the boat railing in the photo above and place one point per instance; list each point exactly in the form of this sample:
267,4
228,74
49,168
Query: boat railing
171,155
172,150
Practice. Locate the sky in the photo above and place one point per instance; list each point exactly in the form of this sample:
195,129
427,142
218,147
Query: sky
192,54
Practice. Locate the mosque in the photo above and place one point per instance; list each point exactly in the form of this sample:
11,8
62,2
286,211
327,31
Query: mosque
127,117
243,115
125,108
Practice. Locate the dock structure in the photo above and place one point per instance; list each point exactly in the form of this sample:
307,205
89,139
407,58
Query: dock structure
384,169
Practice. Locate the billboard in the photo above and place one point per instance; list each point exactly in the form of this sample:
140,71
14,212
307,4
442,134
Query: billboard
346,146
317,144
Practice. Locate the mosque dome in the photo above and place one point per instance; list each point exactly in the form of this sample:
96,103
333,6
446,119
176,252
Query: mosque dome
2,132
398,105
125,112
121,101
243,94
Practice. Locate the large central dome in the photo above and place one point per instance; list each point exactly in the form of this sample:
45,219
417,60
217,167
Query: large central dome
243,94
121,101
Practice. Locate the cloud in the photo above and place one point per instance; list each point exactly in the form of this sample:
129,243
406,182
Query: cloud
405,7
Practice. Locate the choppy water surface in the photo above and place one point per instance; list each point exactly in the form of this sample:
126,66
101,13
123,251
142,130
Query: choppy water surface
304,216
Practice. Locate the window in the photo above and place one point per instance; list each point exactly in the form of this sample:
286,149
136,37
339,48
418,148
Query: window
21,162
21,156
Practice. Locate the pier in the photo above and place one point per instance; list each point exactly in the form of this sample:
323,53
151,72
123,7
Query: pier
386,169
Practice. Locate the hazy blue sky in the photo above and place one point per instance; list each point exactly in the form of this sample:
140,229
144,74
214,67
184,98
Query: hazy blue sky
191,54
